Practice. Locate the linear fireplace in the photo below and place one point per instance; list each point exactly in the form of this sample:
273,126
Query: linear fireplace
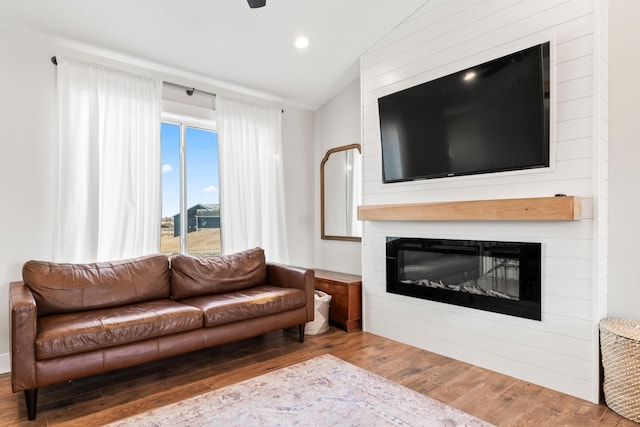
502,277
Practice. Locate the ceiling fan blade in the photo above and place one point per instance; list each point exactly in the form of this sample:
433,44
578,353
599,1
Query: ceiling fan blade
256,3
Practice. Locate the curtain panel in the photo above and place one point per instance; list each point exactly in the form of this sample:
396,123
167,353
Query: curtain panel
109,163
252,195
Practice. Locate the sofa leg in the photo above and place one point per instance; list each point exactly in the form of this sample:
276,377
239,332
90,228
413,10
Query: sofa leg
301,332
31,398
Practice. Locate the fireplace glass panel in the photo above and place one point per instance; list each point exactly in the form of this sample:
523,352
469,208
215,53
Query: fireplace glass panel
502,277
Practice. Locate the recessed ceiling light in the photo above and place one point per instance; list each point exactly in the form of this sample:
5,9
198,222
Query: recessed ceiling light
470,75
301,42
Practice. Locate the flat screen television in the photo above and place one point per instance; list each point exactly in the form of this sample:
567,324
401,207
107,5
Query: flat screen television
493,117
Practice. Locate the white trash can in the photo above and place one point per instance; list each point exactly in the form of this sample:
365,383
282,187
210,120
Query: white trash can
320,323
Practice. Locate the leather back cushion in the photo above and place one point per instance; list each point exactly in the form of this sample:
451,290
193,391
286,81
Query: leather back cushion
191,277
65,288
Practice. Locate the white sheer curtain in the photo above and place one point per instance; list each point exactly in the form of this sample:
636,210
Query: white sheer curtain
251,178
109,163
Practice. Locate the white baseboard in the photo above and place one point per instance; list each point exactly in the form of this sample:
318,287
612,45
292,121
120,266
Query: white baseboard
5,363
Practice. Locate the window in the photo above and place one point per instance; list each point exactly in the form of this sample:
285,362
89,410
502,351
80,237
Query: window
190,187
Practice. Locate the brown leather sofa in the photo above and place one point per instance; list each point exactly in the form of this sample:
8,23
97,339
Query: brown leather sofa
75,320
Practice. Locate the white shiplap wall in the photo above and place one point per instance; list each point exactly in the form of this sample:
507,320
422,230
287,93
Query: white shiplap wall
561,351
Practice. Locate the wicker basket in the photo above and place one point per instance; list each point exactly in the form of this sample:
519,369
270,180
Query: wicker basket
620,346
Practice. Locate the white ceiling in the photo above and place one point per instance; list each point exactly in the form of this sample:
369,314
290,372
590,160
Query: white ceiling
226,40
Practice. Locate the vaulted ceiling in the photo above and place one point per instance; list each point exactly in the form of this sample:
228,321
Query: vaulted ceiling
225,40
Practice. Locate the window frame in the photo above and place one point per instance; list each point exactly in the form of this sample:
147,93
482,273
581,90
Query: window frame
184,122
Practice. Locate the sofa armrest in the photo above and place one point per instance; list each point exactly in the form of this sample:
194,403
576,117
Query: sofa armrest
23,318
288,276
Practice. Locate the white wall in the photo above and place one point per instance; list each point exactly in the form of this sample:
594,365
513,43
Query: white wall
561,351
28,163
624,157
337,123
299,160
28,129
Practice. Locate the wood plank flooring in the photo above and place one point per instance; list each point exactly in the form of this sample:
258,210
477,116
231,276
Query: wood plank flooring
494,397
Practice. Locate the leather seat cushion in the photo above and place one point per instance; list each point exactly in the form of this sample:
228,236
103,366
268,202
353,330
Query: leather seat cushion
65,287
72,333
247,303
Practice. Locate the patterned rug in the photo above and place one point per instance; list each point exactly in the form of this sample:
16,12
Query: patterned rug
324,391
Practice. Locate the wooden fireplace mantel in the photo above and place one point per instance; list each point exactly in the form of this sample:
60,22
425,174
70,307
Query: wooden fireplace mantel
559,208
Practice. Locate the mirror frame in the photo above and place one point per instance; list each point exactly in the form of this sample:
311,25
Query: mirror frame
322,189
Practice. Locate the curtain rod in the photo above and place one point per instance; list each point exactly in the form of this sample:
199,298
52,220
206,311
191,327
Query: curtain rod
189,90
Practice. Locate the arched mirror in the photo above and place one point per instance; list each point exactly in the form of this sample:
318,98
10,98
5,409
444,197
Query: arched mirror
340,193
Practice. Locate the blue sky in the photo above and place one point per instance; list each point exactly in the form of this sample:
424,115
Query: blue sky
202,168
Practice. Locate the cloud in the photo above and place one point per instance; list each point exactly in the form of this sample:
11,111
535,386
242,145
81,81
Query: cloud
210,189
166,168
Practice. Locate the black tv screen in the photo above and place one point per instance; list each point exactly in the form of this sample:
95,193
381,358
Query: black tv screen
489,118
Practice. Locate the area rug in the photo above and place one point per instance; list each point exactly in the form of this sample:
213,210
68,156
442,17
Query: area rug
323,391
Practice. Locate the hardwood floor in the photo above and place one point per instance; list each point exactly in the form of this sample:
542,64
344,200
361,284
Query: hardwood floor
496,398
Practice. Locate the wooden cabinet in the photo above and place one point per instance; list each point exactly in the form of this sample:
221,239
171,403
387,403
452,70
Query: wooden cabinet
346,297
